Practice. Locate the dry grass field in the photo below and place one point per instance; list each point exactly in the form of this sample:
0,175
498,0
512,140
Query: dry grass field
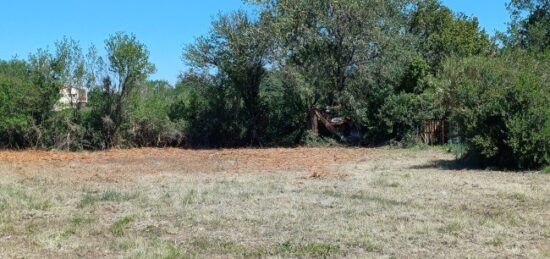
305,202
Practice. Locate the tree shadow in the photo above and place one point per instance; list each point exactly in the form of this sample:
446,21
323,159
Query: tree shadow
458,164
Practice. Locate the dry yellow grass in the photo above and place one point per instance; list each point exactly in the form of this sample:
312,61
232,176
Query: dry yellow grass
266,203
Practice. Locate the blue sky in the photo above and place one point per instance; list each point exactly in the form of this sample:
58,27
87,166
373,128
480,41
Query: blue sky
165,26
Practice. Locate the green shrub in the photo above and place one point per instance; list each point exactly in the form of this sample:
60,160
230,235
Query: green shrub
210,111
151,125
26,101
14,121
315,140
501,106
459,150
286,114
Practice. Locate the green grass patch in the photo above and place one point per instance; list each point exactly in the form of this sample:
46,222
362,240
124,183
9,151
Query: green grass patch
546,170
12,196
371,247
119,227
458,150
14,193
497,241
318,250
451,228
332,193
191,197
75,224
516,196
90,199
32,227
172,252
217,246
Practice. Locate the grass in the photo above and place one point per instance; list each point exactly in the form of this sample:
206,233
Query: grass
546,170
118,228
516,196
312,249
497,241
381,201
18,197
451,228
458,150
90,199
387,203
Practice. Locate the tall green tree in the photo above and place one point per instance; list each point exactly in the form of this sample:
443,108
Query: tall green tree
340,52
129,63
69,63
27,96
444,34
236,48
530,26
438,34
16,94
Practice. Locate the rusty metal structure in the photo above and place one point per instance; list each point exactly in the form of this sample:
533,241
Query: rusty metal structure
337,126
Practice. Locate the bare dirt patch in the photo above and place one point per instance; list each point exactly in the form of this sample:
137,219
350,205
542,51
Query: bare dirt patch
304,202
115,164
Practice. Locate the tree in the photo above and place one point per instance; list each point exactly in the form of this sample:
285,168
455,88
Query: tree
530,26
501,106
69,63
345,54
236,49
210,109
443,34
26,100
129,62
149,106
439,34
14,114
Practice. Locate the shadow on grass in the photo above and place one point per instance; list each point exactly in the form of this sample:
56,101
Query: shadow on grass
458,164
466,165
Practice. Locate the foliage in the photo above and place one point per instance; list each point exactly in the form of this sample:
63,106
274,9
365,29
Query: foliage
457,149
129,61
501,108
530,26
285,113
151,125
237,48
311,139
444,34
209,111
13,121
26,99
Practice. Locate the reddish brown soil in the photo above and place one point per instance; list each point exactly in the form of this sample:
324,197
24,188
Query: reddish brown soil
116,164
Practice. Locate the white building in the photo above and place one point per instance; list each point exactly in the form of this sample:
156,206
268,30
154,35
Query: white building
71,97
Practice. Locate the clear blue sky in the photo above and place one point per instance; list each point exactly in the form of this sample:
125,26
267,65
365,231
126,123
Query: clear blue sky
165,26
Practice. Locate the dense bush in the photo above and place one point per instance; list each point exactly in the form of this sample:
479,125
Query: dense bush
149,116
26,101
286,112
210,112
501,107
